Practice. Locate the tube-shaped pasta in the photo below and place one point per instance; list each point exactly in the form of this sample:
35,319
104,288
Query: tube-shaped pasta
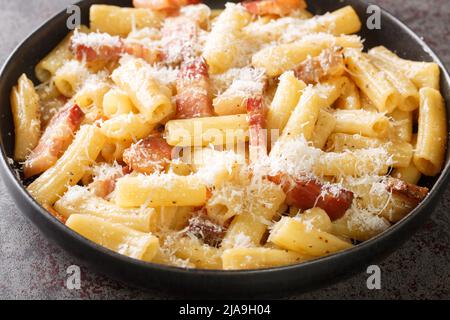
304,117
160,191
371,81
259,258
26,113
329,91
366,123
353,163
284,57
408,174
286,99
121,21
91,94
341,21
116,237
113,150
349,98
201,255
117,102
349,226
422,74
400,151
47,67
432,133
325,125
149,96
402,125
221,48
409,95
70,168
127,127
69,78
223,130
78,200
318,218
252,224
297,236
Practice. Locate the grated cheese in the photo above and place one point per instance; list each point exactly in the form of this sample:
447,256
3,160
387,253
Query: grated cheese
95,40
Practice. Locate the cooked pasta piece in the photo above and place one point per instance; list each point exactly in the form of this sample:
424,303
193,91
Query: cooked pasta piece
371,81
70,168
422,74
160,190
121,21
56,138
25,108
149,96
295,235
78,200
116,237
432,133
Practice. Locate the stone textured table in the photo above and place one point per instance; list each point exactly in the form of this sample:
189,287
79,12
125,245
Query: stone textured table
31,268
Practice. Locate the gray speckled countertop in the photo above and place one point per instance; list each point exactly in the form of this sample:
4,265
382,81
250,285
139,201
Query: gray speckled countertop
32,268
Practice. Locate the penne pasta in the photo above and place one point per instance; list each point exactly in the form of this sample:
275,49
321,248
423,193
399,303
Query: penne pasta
25,108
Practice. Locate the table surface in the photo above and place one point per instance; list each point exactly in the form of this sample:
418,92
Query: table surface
32,268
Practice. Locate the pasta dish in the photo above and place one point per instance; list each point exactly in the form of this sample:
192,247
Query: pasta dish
248,137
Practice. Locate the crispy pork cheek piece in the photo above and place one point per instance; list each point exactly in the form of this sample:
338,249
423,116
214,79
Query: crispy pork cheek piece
411,193
257,125
193,86
329,63
308,193
56,139
104,186
148,155
112,53
206,230
273,7
99,53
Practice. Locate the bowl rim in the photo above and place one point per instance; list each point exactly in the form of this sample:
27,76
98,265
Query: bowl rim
435,191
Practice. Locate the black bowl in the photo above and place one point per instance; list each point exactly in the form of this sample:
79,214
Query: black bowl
255,283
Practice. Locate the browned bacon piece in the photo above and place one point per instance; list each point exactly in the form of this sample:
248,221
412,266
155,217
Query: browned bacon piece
167,6
56,139
328,64
193,87
411,193
148,155
99,53
210,233
257,128
108,53
307,193
273,7
104,186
